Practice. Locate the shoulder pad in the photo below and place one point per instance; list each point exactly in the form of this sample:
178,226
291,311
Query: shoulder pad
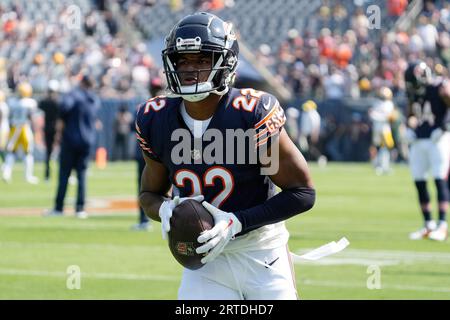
267,116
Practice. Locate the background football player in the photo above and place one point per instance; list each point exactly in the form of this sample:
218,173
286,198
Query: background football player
4,124
22,109
310,131
430,149
246,251
382,138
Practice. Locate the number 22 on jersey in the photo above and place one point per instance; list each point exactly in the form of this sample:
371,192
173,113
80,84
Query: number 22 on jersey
210,178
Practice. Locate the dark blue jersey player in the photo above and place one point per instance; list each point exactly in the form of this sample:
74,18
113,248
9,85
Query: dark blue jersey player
430,149
159,140
185,138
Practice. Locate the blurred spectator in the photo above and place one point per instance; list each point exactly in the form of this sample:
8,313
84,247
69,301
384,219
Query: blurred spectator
101,4
111,23
396,8
360,24
13,74
358,139
333,134
176,5
334,84
90,24
121,129
429,35
144,223
328,54
49,105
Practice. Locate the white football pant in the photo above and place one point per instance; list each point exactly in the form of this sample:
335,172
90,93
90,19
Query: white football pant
429,157
266,274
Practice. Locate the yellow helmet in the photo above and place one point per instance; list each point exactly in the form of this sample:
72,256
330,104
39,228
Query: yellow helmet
439,69
309,105
25,90
59,58
364,84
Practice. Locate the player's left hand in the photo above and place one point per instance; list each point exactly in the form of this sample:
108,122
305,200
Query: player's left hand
226,226
165,212
436,135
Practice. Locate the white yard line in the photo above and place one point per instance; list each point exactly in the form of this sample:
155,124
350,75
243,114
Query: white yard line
338,284
379,257
92,275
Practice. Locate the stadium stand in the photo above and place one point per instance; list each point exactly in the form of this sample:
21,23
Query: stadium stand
318,49
43,40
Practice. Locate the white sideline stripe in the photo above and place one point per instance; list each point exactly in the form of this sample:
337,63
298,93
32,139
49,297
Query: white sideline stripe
110,276
380,257
383,286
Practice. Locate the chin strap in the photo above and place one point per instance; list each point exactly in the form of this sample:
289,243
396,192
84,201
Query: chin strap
195,97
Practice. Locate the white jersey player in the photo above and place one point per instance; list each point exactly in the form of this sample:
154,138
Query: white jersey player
382,139
4,122
309,132
21,134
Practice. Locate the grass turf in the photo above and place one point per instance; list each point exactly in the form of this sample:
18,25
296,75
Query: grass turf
375,213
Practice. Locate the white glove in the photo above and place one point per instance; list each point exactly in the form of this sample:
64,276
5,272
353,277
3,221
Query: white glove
436,135
226,226
165,212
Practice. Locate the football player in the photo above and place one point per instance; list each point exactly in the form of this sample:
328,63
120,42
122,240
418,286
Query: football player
21,136
245,253
429,100
310,130
4,123
382,139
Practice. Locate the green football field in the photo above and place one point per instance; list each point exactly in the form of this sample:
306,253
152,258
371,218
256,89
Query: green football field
375,213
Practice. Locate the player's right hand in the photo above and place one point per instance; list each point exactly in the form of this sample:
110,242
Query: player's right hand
165,212
226,226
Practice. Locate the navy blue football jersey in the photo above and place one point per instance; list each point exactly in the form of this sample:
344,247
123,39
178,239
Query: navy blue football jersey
228,182
430,110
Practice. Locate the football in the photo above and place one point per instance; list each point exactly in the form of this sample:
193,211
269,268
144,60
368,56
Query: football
188,220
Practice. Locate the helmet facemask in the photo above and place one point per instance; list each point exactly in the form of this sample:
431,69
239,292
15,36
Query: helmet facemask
220,73
421,77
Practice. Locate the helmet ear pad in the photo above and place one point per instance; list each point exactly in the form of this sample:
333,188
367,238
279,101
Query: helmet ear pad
222,77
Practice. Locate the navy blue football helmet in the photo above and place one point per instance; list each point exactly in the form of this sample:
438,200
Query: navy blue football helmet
207,34
417,76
